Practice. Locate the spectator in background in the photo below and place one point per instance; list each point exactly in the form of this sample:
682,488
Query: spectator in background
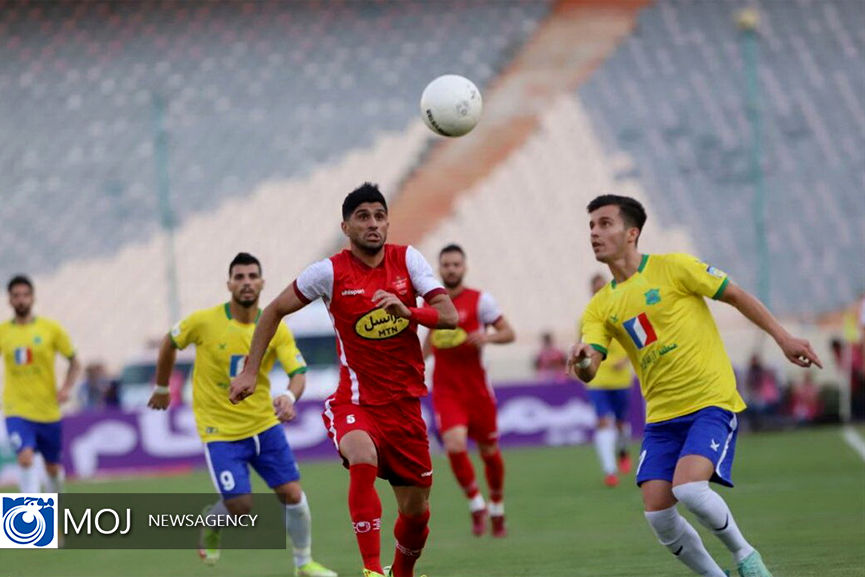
849,359
762,392
550,361
96,387
805,400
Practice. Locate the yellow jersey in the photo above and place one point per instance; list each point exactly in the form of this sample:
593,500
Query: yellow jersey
30,388
221,347
659,315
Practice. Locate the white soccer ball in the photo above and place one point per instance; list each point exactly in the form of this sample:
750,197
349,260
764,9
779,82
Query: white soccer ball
451,105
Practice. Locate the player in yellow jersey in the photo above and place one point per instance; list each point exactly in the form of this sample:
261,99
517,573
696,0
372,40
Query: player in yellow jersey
609,392
237,436
31,400
655,308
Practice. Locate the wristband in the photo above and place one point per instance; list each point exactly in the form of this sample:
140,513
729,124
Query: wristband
426,316
290,395
585,363
161,390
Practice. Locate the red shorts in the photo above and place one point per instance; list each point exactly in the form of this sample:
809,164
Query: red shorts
478,414
398,431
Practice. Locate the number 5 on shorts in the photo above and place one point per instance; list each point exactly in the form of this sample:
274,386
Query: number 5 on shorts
349,419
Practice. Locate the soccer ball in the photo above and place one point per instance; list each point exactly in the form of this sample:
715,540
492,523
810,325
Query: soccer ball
451,105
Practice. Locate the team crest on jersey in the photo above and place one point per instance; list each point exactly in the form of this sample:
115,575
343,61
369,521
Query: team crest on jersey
235,366
448,338
400,285
379,324
23,355
715,272
641,331
653,296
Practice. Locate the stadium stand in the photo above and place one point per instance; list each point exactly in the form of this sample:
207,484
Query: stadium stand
673,98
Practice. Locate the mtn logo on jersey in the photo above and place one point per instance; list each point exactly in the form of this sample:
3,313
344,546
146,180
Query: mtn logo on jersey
640,330
379,324
23,356
448,338
236,365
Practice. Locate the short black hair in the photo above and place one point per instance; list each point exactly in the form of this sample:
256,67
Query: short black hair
631,210
452,247
243,258
367,192
19,279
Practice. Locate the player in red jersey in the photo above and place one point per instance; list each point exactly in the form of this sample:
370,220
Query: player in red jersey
465,405
374,417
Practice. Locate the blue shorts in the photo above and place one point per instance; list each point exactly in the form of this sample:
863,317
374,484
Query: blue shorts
268,453
44,438
709,432
610,402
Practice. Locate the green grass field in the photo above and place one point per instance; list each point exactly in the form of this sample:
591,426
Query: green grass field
800,499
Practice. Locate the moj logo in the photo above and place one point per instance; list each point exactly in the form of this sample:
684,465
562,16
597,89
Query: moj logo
29,521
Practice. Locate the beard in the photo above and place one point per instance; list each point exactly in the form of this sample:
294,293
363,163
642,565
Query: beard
246,302
22,310
371,249
452,283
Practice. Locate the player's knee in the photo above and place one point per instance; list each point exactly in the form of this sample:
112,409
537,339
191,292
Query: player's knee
290,493
414,503
488,449
657,496
455,445
692,494
241,505
25,458
604,423
53,469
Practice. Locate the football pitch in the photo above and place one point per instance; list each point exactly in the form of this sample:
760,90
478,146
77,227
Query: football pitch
800,499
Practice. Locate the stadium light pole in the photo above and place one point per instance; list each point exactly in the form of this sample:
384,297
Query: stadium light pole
748,20
163,189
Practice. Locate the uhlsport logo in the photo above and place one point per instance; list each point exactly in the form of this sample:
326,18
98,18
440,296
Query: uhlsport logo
29,521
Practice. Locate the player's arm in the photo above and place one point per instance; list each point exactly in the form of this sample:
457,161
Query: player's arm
583,361
427,345
440,314
160,398
502,334
797,351
72,373
283,404
243,385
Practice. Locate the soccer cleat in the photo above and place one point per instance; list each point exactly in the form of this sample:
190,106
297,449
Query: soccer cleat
368,573
624,463
479,522
499,528
611,480
752,566
387,573
208,542
313,569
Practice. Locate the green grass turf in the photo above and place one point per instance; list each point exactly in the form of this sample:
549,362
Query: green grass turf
800,498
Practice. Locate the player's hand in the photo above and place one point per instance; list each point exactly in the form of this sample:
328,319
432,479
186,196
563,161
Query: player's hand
799,352
477,339
390,303
242,386
283,406
159,401
580,352
62,395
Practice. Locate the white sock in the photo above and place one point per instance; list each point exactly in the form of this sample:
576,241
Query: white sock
477,503
711,510
28,479
298,523
682,540
624,438
496,509
218,508
55,484
605,445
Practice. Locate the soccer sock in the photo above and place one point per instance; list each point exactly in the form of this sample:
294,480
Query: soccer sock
54,484
464,472
411,534
605,445
218,508
365,509
682,540
623,438
298,523
494,467
711,510
28,479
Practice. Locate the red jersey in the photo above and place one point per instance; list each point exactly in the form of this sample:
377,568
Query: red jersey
380,355
458,364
